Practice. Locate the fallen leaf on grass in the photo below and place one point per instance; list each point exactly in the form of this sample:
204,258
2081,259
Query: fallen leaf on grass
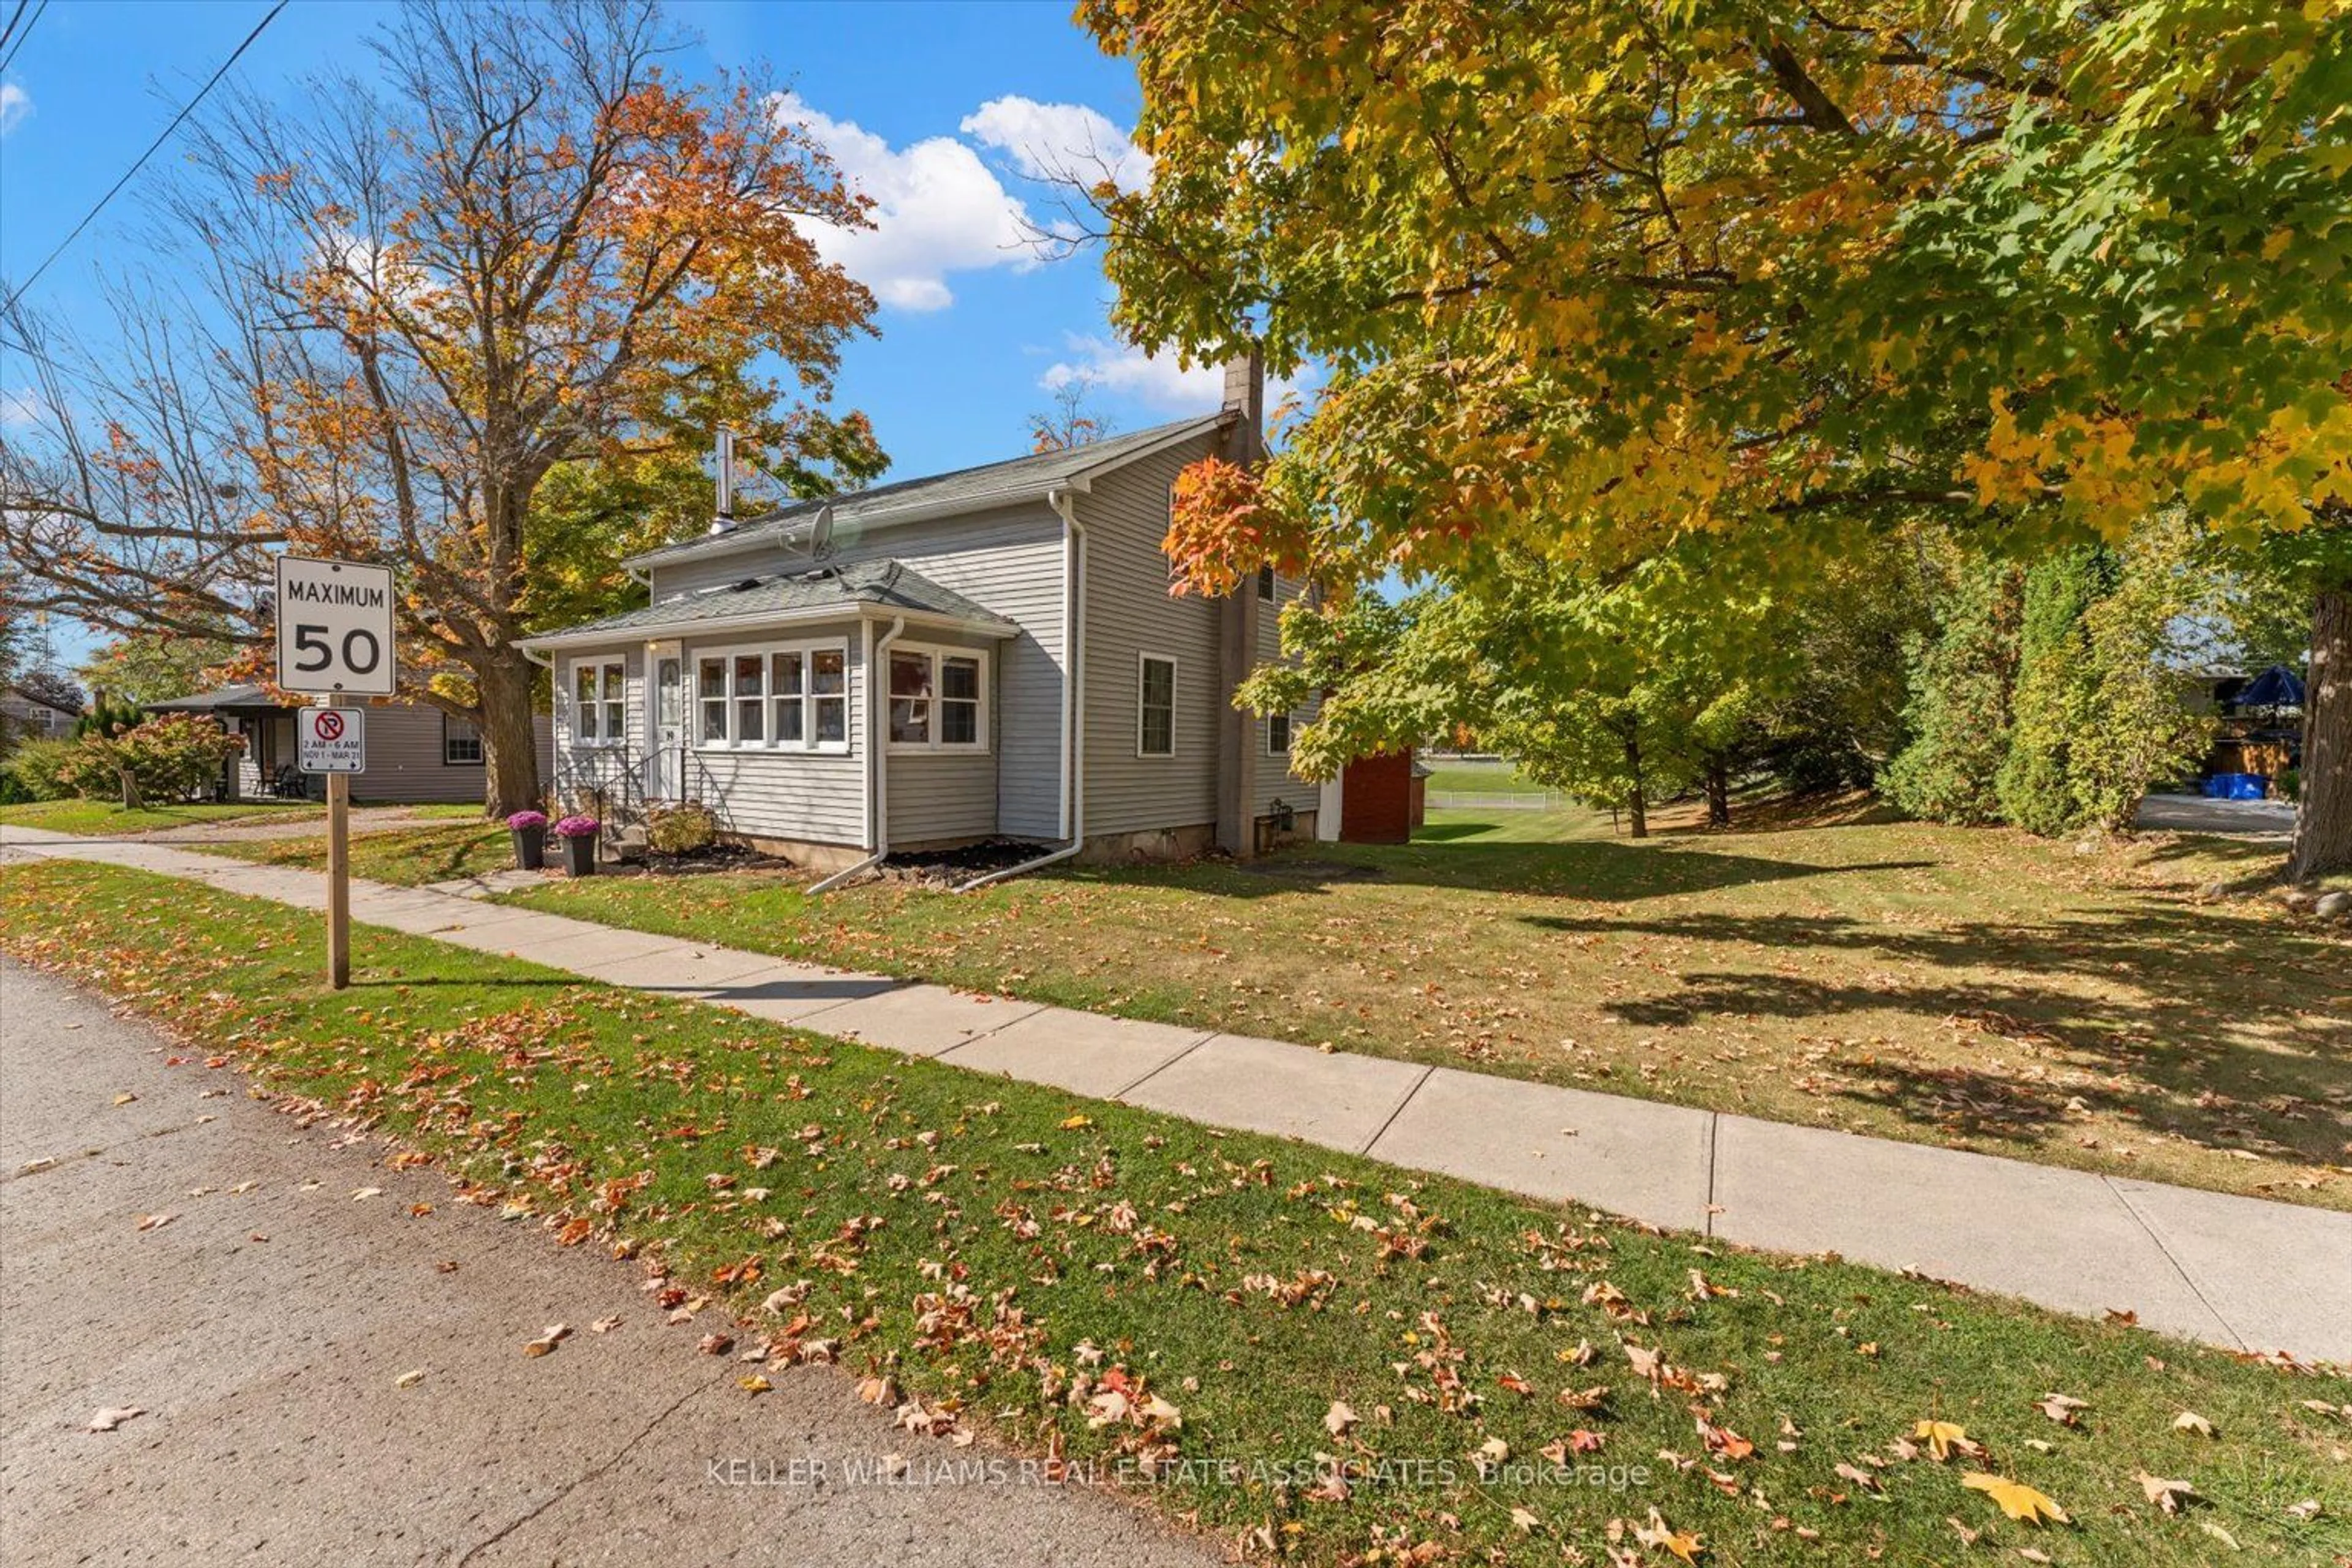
2017,1499
2060,1408
2189,1421
1658,1533
1072,1123
2165,1495
555,1335
113,1415
2220,1534
1859,1477
1339,1419
1524,1519
1942,1437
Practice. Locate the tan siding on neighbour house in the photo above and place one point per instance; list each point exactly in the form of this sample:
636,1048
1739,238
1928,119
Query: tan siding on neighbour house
1129,612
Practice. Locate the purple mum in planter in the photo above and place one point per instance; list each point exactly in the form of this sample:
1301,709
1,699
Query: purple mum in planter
523,820
576,828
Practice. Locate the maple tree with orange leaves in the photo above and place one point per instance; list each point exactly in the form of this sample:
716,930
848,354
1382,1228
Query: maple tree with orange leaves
517,245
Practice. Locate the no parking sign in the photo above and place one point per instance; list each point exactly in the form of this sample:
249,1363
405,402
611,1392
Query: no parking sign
331,740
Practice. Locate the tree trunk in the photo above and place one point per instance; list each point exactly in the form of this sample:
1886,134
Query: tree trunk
510,735
1637,804
2323,819
1718,793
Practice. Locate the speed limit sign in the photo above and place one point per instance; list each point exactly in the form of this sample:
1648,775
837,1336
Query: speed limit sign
334,627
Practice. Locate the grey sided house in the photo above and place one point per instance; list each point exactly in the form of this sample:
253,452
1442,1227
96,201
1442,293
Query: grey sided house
413,752
990,654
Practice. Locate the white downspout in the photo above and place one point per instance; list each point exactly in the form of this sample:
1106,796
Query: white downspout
878,759
1073,708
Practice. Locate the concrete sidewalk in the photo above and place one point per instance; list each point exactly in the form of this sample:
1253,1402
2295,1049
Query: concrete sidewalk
2238,1272
280,1423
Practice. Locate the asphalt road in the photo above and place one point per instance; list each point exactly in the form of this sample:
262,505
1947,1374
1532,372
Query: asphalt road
276,1429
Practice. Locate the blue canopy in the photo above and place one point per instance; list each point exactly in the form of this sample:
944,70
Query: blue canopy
2274,687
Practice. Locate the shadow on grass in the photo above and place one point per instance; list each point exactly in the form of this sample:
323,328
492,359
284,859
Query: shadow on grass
1592,869
2212,1037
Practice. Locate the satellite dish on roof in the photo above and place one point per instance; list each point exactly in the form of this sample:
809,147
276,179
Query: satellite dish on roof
820,544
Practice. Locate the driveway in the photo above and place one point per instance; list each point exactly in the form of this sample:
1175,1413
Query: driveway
2259,819
267,1329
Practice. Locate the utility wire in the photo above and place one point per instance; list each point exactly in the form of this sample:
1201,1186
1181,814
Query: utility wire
19,35
151,147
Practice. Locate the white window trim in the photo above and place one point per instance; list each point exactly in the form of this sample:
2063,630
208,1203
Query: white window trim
690,678
1175,676
599,663
480,747
978,747
1289,729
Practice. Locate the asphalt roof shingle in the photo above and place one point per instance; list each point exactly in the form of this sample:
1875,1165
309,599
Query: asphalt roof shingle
887,585
974,488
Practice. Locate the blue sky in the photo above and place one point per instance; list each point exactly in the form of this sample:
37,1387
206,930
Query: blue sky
936,110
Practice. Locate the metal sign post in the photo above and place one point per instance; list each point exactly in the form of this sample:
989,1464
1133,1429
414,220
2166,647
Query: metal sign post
334,642
339,867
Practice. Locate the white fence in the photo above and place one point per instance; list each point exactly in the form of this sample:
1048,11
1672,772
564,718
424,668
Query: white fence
1494,800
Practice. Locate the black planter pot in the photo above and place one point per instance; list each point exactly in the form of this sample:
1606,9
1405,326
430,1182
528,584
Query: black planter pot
580,855
530,847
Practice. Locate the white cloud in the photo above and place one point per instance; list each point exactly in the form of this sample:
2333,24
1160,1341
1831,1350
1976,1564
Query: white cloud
16,107
1059,142
20,407
937,209
1127,372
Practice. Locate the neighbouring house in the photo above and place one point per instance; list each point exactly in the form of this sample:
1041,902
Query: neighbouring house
33,715
990,654
413,752
2257,731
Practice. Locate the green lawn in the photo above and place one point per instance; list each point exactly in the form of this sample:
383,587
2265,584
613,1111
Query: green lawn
99,818
409,856
1976,988
1015,1259
1485,778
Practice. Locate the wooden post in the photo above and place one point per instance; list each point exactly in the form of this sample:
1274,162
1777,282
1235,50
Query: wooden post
339,875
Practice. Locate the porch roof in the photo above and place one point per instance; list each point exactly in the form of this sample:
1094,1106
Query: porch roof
221,698
827,593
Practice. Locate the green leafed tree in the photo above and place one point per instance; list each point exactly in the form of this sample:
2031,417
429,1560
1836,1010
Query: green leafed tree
1592,277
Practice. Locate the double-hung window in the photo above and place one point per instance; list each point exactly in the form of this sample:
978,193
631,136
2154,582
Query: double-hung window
1155,706
938,700
792,697
461,744
599,709
1277,735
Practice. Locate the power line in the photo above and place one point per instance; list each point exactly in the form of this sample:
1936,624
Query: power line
129,173
19,35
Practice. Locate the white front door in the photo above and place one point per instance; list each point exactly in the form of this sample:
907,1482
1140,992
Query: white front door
664,722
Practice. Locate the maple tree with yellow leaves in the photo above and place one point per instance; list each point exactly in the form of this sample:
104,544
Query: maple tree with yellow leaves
1592,278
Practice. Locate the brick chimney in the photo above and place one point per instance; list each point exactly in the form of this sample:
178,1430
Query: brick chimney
1237,623
1245,396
